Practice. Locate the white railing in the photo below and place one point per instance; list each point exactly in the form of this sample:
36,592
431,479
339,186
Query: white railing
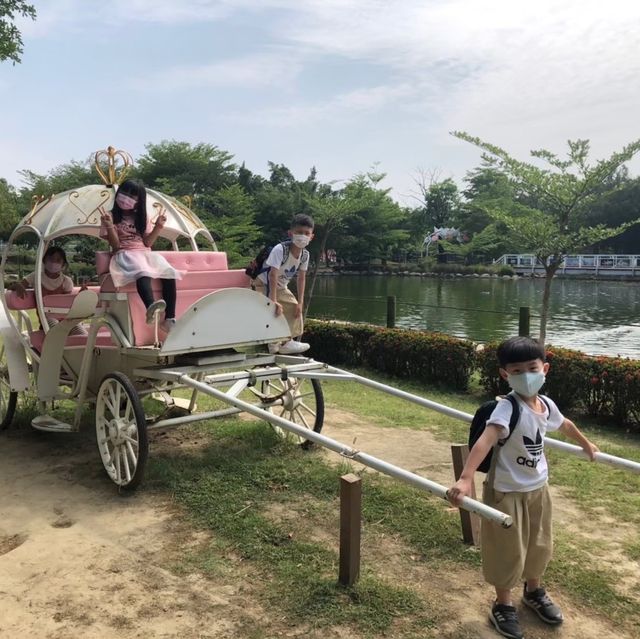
587,262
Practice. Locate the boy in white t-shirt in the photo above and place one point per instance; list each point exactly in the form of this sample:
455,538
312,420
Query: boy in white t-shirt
517,485
283,264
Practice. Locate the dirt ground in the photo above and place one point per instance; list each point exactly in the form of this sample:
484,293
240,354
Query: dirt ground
79,560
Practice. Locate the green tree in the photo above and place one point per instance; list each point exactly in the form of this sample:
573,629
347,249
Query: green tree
441,204
439,201
487,189
280,198
9,209
184,169
10,36
233,222
63,178
558,196
376,225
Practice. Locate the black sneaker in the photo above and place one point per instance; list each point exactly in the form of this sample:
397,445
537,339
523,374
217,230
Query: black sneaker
539,602
505,620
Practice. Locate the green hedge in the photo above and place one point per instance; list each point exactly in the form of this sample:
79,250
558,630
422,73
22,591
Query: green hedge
608,387
603,386
418,355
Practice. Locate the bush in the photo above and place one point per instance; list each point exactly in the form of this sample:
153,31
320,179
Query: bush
418,355
504,269
338,344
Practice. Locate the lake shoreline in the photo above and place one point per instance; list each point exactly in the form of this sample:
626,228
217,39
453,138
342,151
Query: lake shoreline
604,277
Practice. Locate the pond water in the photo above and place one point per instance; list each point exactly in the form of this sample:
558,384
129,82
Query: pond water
597,317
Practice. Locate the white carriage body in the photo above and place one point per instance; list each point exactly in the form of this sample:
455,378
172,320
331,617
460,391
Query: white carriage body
216,308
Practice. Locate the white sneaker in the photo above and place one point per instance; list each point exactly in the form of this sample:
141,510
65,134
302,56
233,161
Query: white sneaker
293,348
157,307
167,325
274,348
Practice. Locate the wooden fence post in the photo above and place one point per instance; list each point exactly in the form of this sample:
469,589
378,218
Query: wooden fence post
470,522
391,311
350,522
524,323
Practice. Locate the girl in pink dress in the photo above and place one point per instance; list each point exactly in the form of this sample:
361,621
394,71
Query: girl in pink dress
131,236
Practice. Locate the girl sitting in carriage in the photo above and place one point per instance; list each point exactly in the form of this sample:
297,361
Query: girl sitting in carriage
131,236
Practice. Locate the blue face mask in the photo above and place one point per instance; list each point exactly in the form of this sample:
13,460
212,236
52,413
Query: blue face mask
526,384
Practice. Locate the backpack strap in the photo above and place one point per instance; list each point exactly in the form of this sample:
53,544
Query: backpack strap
514,419
286,247
545,401
285,256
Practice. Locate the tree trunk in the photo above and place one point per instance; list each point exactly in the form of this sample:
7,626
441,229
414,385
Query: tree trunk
314,274
550,271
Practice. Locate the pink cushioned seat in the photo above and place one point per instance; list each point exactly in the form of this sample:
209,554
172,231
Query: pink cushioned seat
16,303
103,339
206,280
204,273
182,260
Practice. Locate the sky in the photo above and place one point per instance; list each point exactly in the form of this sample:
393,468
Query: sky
336,84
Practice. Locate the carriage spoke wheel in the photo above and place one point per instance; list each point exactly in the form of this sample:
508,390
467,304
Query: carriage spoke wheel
121,431
8,398
297,400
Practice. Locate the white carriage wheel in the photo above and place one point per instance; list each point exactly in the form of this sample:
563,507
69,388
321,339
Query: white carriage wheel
121,431
8,398
300,401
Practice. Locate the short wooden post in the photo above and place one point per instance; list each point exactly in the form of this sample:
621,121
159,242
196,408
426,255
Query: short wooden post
350,518
470,522
391,311
524,328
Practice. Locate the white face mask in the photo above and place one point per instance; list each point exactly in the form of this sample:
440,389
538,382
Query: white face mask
53,267
125,202
300,240
527,384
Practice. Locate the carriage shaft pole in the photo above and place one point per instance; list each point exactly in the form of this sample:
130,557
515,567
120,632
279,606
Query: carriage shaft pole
346,451
603,458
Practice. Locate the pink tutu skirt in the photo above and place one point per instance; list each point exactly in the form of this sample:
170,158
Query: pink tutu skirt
127,266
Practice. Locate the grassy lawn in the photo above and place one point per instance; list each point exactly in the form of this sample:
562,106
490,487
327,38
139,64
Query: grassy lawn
275,507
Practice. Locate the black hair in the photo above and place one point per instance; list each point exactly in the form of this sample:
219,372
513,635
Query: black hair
302,219
133,188
53,250
519,349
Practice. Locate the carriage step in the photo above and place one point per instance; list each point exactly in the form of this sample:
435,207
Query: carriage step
50,424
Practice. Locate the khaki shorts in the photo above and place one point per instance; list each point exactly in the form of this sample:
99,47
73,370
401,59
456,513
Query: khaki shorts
513,555
289,304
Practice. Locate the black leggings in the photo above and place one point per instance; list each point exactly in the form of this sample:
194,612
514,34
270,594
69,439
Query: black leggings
143,284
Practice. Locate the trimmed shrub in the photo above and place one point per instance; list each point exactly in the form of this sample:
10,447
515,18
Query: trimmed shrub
608,387
338,343
417,355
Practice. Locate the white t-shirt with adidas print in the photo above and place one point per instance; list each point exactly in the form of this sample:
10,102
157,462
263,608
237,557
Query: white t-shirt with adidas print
521,465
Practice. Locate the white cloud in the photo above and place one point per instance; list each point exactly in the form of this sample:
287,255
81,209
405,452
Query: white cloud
351,104
520,73
248,72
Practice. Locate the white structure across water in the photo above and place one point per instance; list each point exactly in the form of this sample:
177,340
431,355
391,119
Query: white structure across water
576,264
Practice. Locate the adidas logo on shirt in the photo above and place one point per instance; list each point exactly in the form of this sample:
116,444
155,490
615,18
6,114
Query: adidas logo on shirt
534,448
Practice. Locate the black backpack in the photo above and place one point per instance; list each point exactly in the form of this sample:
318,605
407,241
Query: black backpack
479,423
256,266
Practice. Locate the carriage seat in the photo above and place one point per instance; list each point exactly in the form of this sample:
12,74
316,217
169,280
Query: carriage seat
103,339
203,272
59,301
55,305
